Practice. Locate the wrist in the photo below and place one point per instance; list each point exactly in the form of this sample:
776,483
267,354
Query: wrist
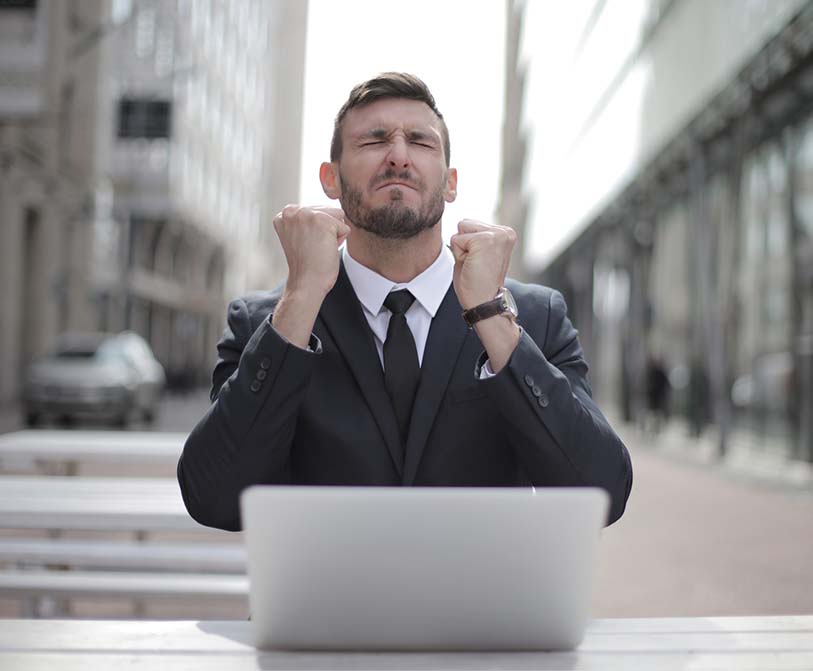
295,315
472,301
305,297
502,304
500,337
500,328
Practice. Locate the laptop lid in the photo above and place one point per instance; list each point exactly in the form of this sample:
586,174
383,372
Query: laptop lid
375,568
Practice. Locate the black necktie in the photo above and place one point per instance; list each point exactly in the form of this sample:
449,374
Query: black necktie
401,369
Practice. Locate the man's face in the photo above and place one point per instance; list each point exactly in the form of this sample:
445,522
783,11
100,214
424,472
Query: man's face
392,174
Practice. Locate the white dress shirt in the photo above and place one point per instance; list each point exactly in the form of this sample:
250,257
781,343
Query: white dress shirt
429,289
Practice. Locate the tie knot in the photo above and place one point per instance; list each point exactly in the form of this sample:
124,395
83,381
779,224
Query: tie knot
398,302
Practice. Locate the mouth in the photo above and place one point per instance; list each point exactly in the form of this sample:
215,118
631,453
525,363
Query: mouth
388,184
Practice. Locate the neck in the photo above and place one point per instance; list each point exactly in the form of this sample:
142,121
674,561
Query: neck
398,260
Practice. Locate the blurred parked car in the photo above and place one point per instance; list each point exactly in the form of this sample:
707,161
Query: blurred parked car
95,376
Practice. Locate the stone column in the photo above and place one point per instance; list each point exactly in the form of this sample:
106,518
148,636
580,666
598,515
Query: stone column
10,271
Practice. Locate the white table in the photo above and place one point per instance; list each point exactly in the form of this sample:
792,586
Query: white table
100,504
72,447
685,644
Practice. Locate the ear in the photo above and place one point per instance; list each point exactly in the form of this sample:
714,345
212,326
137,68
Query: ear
329,176
450,193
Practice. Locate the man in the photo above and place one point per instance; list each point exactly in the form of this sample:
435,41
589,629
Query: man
362,369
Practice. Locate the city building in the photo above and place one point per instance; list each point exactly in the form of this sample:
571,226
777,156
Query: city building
49,91
145,149
668,169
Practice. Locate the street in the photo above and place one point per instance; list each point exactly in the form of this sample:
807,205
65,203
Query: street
695,540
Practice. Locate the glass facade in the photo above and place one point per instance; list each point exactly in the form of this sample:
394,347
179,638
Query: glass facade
763,366
719,291
802,245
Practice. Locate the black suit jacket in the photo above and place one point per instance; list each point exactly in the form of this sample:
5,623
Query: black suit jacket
283,415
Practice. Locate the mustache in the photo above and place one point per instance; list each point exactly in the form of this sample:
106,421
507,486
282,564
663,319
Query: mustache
388,175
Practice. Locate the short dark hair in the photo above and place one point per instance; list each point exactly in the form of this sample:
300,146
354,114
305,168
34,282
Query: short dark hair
387,85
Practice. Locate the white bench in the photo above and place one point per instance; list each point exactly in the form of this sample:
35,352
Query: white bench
113,584
98,504
62,451
44,572
31,585
127,555
144,570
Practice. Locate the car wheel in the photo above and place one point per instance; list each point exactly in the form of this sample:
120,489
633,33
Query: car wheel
32,419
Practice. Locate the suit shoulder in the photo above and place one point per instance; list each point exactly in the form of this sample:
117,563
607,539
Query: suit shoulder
532,296
256,305
542,311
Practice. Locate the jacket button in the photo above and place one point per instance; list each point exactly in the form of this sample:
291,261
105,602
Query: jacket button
265,364
544,401
261,375
529,381
255,386
536,391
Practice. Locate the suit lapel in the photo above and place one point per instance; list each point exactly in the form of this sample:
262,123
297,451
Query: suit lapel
446,337
343,317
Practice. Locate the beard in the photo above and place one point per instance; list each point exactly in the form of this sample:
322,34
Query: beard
395,221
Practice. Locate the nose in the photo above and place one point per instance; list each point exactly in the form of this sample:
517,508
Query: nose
398,156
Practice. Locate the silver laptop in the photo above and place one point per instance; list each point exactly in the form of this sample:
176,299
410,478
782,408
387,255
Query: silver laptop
380,568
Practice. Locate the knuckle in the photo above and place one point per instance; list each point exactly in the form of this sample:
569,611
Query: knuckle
289,211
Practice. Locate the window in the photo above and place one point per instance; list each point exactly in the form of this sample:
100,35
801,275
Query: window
144,118
18,4
145,32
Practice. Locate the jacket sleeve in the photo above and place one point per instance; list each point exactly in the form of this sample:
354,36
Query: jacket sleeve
245,437
559,434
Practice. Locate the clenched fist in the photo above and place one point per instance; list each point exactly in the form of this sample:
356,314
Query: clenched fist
482,253
310,238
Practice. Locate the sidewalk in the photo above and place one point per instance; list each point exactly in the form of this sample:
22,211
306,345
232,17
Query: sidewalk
745,458
733,538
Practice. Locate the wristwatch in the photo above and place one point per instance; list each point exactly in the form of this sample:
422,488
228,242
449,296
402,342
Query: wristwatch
503,304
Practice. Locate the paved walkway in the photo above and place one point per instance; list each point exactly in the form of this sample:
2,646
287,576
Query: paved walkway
701,540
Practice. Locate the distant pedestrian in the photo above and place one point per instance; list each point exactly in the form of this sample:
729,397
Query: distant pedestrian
699,398
658,391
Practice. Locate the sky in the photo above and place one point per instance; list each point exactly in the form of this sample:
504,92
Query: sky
457,47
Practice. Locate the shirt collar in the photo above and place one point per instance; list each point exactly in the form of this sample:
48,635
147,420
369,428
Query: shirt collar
429,288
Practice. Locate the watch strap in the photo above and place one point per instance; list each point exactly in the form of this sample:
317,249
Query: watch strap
491,308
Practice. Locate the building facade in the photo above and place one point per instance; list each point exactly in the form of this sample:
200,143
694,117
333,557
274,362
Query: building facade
49,96
171,117
669,173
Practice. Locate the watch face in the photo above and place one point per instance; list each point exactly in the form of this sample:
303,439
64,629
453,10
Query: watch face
510,302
